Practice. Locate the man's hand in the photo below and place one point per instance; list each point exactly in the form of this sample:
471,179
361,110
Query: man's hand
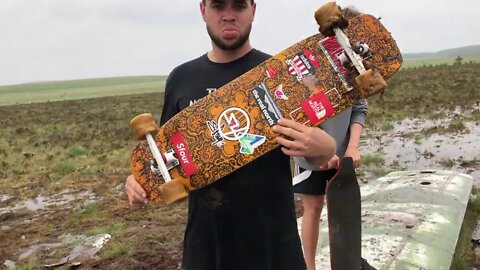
298,140
136,194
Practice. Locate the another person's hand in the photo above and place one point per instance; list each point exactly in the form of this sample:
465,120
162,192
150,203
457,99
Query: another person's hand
331,164
354,153
135,193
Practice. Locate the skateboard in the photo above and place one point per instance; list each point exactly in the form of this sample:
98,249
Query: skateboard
308,82
344,219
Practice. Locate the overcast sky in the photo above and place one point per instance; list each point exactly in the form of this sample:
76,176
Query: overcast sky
69,39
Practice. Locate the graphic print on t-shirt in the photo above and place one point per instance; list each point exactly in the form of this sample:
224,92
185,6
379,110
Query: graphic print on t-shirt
209,91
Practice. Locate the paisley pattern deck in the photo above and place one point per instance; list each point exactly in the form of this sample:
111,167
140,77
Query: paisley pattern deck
233,126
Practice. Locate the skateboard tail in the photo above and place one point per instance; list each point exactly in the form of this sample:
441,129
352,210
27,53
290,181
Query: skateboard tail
344,218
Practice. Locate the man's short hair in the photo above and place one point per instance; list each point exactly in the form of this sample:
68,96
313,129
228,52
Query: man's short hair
205,1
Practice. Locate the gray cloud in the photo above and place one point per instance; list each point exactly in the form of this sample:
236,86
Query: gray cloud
58,39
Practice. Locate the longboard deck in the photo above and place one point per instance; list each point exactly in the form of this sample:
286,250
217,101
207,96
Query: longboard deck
344,220
233,126
410,220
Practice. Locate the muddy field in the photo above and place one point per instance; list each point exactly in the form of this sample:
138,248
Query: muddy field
63,165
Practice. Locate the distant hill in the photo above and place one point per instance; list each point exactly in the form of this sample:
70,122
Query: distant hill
473,50
80,89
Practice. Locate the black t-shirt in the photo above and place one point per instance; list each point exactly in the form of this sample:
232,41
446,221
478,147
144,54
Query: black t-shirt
247,219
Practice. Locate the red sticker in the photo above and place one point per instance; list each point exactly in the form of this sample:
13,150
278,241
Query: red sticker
183,155
317,108
271,72
312,58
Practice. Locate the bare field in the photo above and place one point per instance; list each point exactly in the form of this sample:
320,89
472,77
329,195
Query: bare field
63,165
79,89
63,168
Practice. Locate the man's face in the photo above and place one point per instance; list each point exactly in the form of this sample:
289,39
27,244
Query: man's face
228,21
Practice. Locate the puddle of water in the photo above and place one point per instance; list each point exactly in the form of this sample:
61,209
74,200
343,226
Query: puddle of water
38,203
85,247
33,249
4,198
42,202
401,150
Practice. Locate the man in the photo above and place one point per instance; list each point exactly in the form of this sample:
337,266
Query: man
346,128
246,220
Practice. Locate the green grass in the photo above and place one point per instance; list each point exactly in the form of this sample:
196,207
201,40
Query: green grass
386,125
419,62
433,115
418,138
114,250
89,214
447,162
76,151
457,125
28,266
110,229
426,92
93,170
79,89
380,171
373,159
475,116
89,209
464,255
65,167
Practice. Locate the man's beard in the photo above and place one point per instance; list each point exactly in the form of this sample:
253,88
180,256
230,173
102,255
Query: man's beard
237,44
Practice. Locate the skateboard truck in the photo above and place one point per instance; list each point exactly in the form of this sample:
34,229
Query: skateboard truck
356,59
168,158
331,21
162,167
362,49
369,82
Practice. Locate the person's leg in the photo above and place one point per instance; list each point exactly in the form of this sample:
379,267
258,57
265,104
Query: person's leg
312,209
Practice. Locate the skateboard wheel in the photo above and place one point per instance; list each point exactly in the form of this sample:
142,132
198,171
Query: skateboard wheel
143,124
329,16
370,83
173,191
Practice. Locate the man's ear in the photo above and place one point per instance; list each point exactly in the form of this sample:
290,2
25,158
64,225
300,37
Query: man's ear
254,9
202,10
